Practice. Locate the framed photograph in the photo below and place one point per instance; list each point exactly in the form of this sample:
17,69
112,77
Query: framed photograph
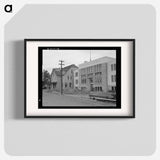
79,78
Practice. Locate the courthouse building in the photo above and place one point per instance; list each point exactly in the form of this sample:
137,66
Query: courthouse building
98,75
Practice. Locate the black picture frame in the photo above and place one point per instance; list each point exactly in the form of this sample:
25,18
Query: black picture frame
119,77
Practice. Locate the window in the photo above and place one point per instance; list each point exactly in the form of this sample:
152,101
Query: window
83,81
99,66
99,89
113,88
76,81
65,85
70,84
92,69
111,67
100,80
115,67
91,80
112,78
115,78
76,75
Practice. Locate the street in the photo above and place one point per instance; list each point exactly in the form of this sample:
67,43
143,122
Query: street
56,99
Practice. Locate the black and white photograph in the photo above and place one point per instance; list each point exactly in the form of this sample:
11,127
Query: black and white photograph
79,77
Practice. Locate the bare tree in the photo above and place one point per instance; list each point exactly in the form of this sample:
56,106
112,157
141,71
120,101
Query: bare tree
46,79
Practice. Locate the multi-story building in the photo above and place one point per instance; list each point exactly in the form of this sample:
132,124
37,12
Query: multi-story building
67,77
98,75
112,75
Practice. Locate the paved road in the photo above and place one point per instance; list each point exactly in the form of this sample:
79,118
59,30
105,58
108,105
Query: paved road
55,99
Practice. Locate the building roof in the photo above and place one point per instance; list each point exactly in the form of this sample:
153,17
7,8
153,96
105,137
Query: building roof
57,71
68,67
96,61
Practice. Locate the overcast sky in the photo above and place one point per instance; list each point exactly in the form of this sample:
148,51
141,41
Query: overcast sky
51,57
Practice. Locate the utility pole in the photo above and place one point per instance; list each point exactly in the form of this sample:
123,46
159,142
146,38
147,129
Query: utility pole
90,56
61,64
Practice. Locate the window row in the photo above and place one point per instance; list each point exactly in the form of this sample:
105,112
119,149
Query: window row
91,74
98,79
113,67
67,85
113,78
95,68
98,89
113,88
69,77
